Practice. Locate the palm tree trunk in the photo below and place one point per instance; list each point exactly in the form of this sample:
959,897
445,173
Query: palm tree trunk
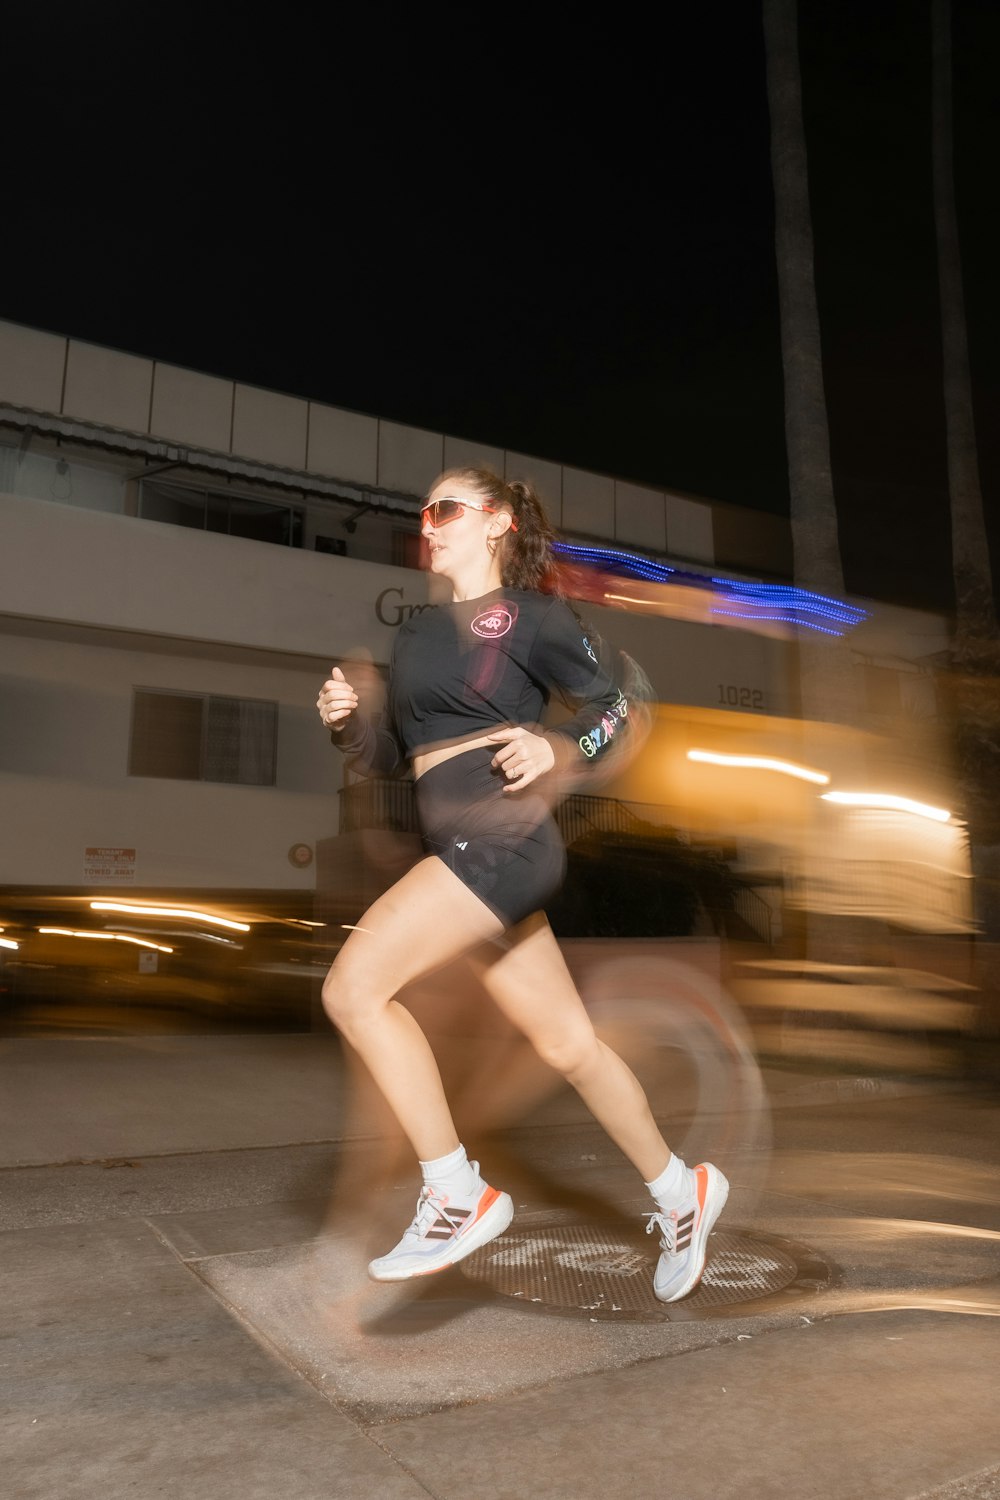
813,512
827,690
826,667
974,605
973,683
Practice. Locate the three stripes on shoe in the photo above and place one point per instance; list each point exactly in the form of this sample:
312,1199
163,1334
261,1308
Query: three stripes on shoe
445,1226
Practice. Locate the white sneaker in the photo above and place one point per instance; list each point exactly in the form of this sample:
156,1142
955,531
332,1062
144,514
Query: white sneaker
684,1234
445,1229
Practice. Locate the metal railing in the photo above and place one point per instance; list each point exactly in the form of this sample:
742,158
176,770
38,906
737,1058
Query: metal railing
378,804
391,804
580,815
752,909
374,803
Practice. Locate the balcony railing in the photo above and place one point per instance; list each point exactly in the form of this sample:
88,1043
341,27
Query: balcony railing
373,803
391,804
751,907
378,804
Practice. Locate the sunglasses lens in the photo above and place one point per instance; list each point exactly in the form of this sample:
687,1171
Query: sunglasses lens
440,512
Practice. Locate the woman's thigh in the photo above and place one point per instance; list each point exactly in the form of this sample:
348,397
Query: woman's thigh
424,921
530,983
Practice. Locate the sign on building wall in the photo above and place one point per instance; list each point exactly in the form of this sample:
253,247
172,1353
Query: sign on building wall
109,866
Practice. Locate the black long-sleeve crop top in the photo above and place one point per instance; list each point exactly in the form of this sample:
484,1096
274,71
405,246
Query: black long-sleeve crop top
475,665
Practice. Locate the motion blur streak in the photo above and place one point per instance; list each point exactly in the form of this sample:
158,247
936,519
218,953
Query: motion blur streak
985,1305
891,1227
889,802
109,937
821,1174
169,911
140,942
760,763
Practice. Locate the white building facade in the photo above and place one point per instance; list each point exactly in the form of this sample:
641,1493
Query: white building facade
183,557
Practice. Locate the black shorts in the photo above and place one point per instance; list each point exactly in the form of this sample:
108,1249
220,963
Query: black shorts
504,846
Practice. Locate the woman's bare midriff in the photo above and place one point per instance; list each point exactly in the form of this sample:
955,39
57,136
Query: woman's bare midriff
423,760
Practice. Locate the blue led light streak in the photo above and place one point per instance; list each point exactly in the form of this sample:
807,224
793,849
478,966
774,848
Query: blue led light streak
737,614
788,603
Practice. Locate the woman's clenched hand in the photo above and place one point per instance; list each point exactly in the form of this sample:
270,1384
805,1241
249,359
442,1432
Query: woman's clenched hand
337,700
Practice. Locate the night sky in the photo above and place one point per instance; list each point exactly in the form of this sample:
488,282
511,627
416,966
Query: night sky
560,245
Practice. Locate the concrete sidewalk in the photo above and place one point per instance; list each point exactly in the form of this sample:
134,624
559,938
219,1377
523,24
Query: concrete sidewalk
186,1305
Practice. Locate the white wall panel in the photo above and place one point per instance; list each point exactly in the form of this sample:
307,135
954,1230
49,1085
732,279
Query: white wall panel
31,367
105,386
545,476
63,793
689,529
640,518
192,409
461,453
342,444
130,574
409,458
588,504
269,427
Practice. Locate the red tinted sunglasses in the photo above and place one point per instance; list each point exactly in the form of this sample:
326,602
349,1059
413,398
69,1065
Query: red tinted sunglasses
439,512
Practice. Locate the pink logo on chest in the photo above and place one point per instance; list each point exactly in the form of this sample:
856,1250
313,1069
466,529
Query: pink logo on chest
494,622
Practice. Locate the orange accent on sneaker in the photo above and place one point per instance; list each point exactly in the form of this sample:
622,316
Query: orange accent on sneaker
486,1201
701,1176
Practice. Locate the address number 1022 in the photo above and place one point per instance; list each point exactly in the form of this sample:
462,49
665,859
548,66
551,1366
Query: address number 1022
732,696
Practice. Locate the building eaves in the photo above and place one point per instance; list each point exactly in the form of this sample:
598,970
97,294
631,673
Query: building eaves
161,453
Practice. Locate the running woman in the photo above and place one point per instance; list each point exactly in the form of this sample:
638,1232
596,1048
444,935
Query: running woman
467,685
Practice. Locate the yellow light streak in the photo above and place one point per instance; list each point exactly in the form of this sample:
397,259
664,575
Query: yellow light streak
8,943
932,1226
760,763
108,937
631,599
888,802
169,911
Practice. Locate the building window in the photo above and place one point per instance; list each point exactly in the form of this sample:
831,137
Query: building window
202,737
59,474
217,510
335,545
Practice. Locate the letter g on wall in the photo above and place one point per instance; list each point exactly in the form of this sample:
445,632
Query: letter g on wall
391,614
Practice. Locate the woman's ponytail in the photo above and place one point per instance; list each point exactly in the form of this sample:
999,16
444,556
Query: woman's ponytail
528,561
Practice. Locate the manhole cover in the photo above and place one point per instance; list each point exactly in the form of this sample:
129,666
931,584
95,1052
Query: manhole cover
603,1273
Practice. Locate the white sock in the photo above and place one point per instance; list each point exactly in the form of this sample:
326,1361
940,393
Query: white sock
674,1184
452,1174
